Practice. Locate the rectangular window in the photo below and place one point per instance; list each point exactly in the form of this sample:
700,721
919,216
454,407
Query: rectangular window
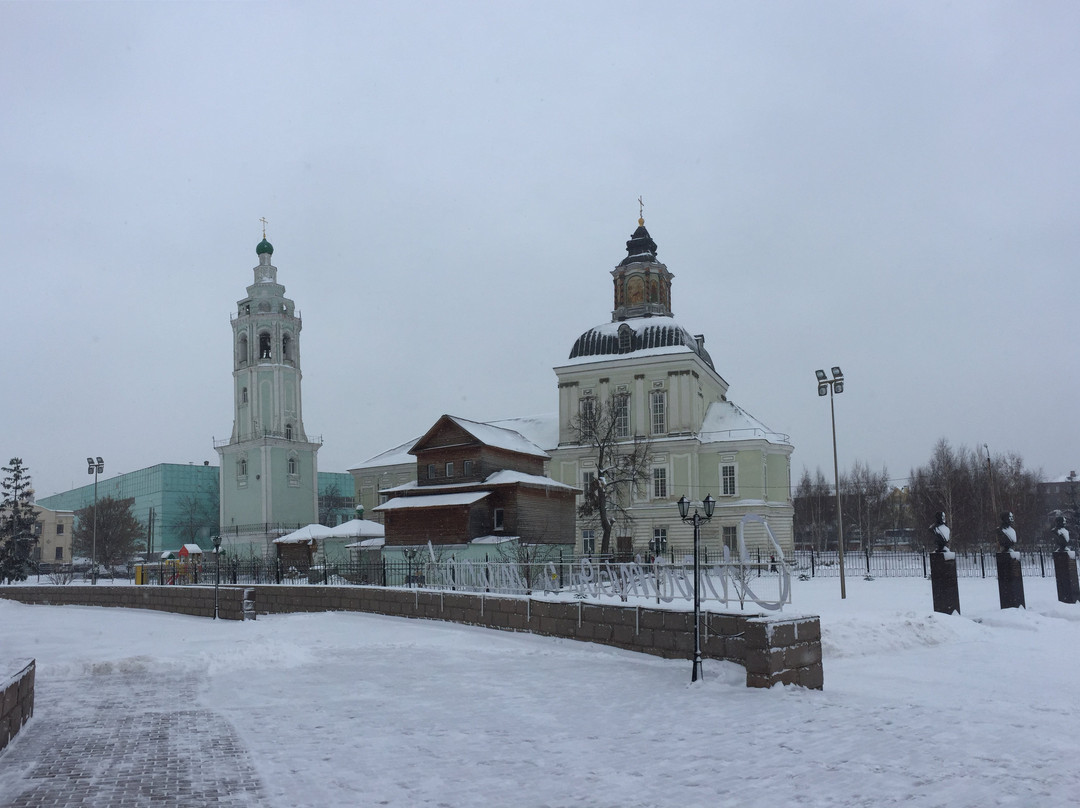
59,554
658,545
466,468
658,410
727,481
731,539
588,542
59,528
621,414
431,471
449,469
659,483
588,415
498,519
587,480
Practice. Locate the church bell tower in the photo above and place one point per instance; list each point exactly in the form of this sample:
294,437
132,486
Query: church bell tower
269,468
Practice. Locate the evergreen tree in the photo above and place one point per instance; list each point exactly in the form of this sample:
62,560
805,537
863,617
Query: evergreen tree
17,520
119,534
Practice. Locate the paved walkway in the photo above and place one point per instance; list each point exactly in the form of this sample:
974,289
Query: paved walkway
109,737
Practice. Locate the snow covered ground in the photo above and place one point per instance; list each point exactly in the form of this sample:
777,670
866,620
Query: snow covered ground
919,709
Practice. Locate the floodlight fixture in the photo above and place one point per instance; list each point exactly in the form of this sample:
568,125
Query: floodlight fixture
838,386
823,389
836,374
820,375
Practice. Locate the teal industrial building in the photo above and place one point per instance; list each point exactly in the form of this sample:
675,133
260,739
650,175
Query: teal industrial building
179,504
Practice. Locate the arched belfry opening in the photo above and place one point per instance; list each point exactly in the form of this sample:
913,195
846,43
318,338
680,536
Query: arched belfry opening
286,348
264,345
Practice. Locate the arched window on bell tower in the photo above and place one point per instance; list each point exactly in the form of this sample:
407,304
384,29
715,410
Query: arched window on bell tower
264,345
242,355
286,348
288,432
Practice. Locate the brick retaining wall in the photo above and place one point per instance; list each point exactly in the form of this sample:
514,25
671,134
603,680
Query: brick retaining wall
194,600
16,702
772,649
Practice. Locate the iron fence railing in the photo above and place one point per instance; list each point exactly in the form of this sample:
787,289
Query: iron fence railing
979,563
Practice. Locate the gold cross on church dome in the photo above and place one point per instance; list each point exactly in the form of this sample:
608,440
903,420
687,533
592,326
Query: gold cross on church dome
263,220
641,212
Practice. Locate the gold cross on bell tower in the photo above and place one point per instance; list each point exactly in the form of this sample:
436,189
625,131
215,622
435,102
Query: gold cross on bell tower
263,220
641,212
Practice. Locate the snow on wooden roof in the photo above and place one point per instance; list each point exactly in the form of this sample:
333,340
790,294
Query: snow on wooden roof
433,501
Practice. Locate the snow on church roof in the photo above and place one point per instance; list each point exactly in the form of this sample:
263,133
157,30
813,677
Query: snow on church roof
726,421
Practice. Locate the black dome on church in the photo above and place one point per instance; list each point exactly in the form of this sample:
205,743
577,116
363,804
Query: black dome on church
642,334
640,247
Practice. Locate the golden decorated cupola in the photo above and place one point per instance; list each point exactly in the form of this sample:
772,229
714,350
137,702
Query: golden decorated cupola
642,283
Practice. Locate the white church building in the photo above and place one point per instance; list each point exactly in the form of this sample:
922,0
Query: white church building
672,396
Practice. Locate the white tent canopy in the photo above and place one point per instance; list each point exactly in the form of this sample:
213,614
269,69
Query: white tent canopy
353,529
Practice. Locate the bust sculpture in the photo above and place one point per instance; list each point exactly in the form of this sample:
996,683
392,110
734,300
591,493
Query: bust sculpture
941,532
1006,532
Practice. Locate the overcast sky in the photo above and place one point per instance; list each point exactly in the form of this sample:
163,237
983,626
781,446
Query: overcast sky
890,187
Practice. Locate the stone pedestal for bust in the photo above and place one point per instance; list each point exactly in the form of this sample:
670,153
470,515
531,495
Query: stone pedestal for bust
1010,581
943,583
1068,587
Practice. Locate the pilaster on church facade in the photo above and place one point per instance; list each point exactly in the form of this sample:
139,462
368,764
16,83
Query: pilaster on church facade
269,466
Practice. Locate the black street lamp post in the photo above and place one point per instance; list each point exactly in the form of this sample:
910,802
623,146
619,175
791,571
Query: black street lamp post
217,572
697,520
830,386
94,468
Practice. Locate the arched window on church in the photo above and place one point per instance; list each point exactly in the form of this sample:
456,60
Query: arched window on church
625,336
241,467
288,432
242,351
243,396
292,465
286,348
264,345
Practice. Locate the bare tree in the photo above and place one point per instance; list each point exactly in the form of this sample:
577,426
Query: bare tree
119,534
623,464
815,508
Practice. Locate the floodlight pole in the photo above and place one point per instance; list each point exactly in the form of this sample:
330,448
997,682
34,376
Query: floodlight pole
839,514
94,468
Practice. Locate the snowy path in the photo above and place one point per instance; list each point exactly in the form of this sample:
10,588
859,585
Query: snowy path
349,709
111,735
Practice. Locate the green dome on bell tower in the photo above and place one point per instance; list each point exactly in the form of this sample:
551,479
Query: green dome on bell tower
264,247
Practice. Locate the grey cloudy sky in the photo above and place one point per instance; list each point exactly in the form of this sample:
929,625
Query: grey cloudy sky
891,187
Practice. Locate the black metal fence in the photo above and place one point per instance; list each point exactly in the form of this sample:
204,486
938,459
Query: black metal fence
910,564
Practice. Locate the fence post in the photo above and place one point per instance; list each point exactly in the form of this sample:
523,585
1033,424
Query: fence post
812,570
1042,563
924,564
982,562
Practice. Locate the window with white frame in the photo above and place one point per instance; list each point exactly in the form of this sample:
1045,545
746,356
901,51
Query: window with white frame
658,411
621,413
659,541
728,487
241,467
588,542
659,483
467,467
588,415
588,479
497,519
731,538
294,467
450,469
431,471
